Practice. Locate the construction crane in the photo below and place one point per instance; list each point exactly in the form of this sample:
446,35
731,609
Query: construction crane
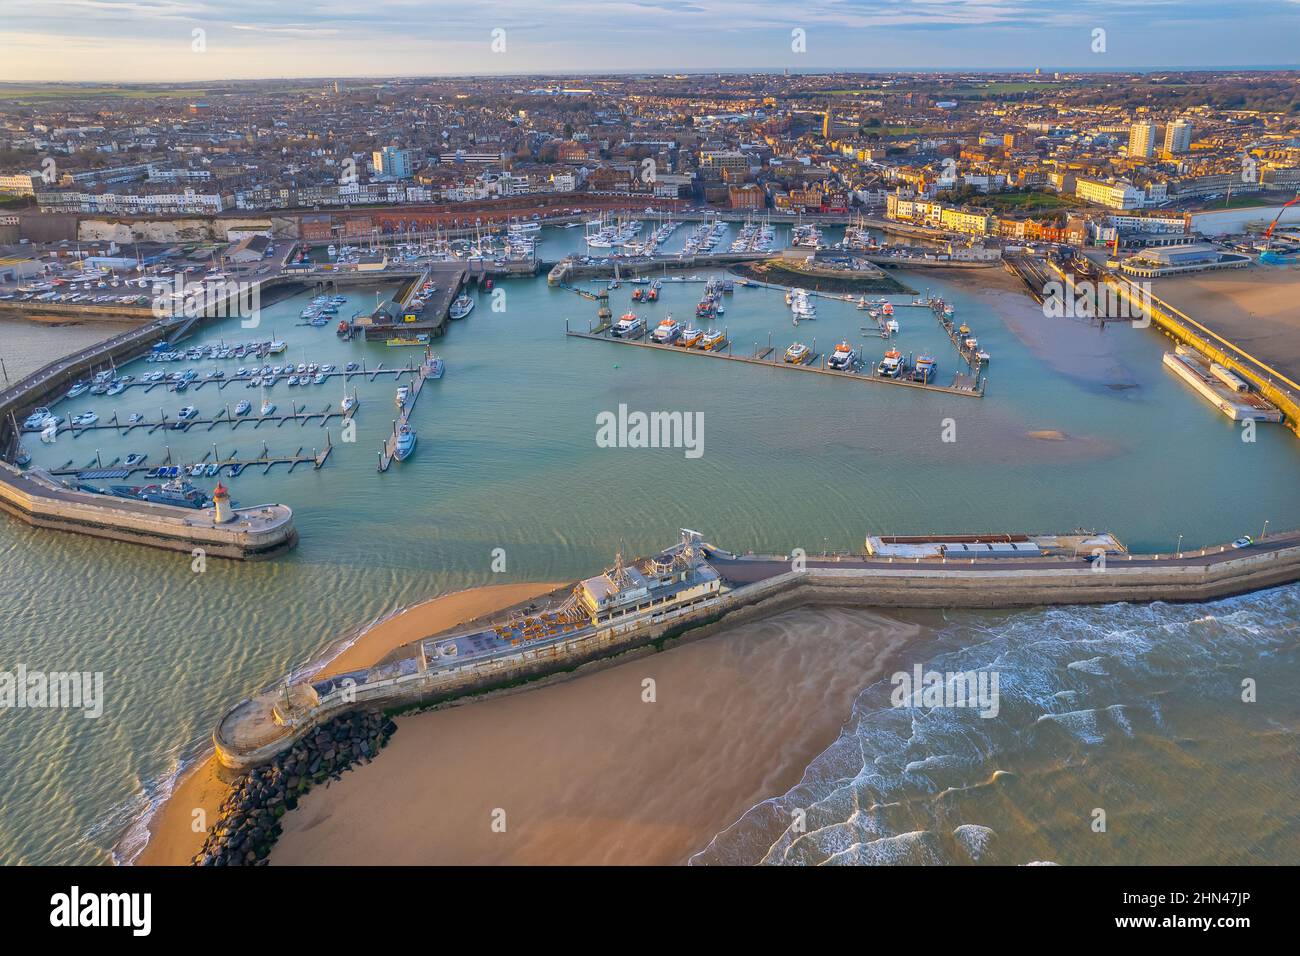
1268,256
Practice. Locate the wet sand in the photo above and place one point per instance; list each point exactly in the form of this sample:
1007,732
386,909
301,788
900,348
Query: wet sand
172,840
587,772
1076,348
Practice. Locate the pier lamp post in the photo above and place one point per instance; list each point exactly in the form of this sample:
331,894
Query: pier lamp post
1180,546
1265,531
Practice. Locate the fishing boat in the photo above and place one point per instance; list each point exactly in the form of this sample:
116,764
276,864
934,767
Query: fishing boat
891,366
796,354
629,326
462,307
713,340
690,337
667,331
177,492
844,358
405,443
243,408
924,369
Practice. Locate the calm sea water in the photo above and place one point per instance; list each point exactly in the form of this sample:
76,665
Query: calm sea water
507,459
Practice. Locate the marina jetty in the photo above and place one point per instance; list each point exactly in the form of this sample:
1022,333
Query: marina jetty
693,588
42,501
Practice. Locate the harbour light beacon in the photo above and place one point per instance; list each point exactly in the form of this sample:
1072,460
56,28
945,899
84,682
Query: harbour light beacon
221,513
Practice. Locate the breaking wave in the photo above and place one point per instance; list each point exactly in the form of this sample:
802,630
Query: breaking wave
1088,696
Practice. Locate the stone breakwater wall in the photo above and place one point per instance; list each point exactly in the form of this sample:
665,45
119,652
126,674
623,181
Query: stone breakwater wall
249,821
256,533
1030,586
251,734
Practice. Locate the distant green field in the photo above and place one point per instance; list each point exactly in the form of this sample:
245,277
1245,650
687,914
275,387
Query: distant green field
1029,202
991,88
999,86
62,92
1243,202
904,130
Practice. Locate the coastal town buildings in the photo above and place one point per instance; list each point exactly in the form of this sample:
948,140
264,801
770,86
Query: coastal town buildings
1081,157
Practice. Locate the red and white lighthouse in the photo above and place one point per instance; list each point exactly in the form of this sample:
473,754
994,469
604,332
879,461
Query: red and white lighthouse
221,512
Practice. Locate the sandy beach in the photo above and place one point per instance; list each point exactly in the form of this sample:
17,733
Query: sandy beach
172,838
1252,308
586,771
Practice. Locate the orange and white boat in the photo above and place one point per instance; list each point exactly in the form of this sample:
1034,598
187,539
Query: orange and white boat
713,340
629,326
844,358
690,337
667,331
891,366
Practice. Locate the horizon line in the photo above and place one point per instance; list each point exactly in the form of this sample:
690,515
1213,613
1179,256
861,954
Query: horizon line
1045,72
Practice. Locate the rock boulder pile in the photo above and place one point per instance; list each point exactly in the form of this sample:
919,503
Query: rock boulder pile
249,823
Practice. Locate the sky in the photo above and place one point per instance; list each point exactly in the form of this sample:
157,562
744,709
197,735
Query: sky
196,40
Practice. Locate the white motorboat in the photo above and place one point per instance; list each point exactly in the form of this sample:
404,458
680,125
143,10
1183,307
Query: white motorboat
667,331
844,358
405,443
629,326
462,307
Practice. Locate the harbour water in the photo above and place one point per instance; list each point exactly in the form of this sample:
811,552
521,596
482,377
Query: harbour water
1080,427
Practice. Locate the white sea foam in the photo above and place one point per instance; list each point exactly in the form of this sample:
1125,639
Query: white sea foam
1093,665
974,839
